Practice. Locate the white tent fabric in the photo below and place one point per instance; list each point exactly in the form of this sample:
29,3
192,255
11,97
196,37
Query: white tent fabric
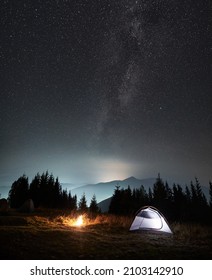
149,218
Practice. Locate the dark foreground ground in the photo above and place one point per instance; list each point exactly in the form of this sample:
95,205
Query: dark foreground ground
43,236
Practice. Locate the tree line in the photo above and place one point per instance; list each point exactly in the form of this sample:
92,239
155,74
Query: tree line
187,204
47,192
176,203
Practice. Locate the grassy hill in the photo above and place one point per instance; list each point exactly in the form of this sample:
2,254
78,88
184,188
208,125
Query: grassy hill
49,235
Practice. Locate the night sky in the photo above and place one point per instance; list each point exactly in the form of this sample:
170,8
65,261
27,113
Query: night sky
96,90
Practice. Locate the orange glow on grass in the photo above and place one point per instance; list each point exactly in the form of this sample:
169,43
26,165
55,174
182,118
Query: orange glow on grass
81,220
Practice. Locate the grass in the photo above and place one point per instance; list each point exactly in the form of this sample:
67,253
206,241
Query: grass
51,235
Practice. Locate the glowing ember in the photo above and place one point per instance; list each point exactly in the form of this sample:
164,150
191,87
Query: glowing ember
79,221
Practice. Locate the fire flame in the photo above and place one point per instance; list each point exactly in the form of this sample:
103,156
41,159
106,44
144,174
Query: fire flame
79,221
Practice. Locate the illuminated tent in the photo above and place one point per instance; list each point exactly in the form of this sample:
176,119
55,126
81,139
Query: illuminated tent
150,219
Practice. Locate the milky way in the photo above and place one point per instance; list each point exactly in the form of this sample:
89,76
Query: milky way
89,83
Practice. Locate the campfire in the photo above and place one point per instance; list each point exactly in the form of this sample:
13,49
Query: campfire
79,221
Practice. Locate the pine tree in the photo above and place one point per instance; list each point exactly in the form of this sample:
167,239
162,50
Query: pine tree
64,203
45,191
159,191
19,192
126,201
72,202
94,208
161,197
179,203
83,204
114,207
188,194
57,193
139,198
44,199
34,190
150,196
199,206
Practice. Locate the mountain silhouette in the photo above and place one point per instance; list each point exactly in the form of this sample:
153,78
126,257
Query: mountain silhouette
105,190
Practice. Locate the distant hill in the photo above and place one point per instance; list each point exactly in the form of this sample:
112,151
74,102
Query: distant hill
102,190
106,189
105,204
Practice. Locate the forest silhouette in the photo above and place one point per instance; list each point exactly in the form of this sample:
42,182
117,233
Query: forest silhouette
177,204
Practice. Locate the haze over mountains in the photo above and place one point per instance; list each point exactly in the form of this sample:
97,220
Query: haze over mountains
104,190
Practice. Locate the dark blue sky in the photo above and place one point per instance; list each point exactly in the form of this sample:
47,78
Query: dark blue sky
102,90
